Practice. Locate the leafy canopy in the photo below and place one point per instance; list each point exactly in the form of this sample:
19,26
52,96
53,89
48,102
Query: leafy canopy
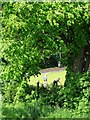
33,31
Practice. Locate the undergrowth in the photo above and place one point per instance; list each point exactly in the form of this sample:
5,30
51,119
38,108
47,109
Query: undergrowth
71,101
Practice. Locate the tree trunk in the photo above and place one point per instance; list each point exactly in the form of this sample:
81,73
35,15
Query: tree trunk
82,61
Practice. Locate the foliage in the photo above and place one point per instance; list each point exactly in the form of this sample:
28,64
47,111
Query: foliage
71,96
67,113
77,94
60,113
37,110
31,33
25,110
43,30
53,102
22,91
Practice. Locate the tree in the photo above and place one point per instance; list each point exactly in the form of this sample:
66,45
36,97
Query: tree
34,31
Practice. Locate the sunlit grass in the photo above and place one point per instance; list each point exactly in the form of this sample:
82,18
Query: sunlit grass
50,77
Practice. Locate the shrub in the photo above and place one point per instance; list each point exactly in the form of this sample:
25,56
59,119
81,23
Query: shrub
26,110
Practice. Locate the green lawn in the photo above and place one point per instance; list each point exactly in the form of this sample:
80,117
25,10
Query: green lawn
50,77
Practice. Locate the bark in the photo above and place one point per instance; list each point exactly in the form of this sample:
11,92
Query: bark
82,61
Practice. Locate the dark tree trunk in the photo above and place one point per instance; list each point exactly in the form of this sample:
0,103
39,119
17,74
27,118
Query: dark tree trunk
82,61
79,64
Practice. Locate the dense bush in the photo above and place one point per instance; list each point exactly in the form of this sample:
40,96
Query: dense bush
22,91
31,33
36,110
53,101
77,89
26,110
73,99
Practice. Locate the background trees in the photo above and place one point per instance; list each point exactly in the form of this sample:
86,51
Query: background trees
34,32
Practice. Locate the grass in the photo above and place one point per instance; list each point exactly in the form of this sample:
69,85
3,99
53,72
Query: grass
50,77
60,113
